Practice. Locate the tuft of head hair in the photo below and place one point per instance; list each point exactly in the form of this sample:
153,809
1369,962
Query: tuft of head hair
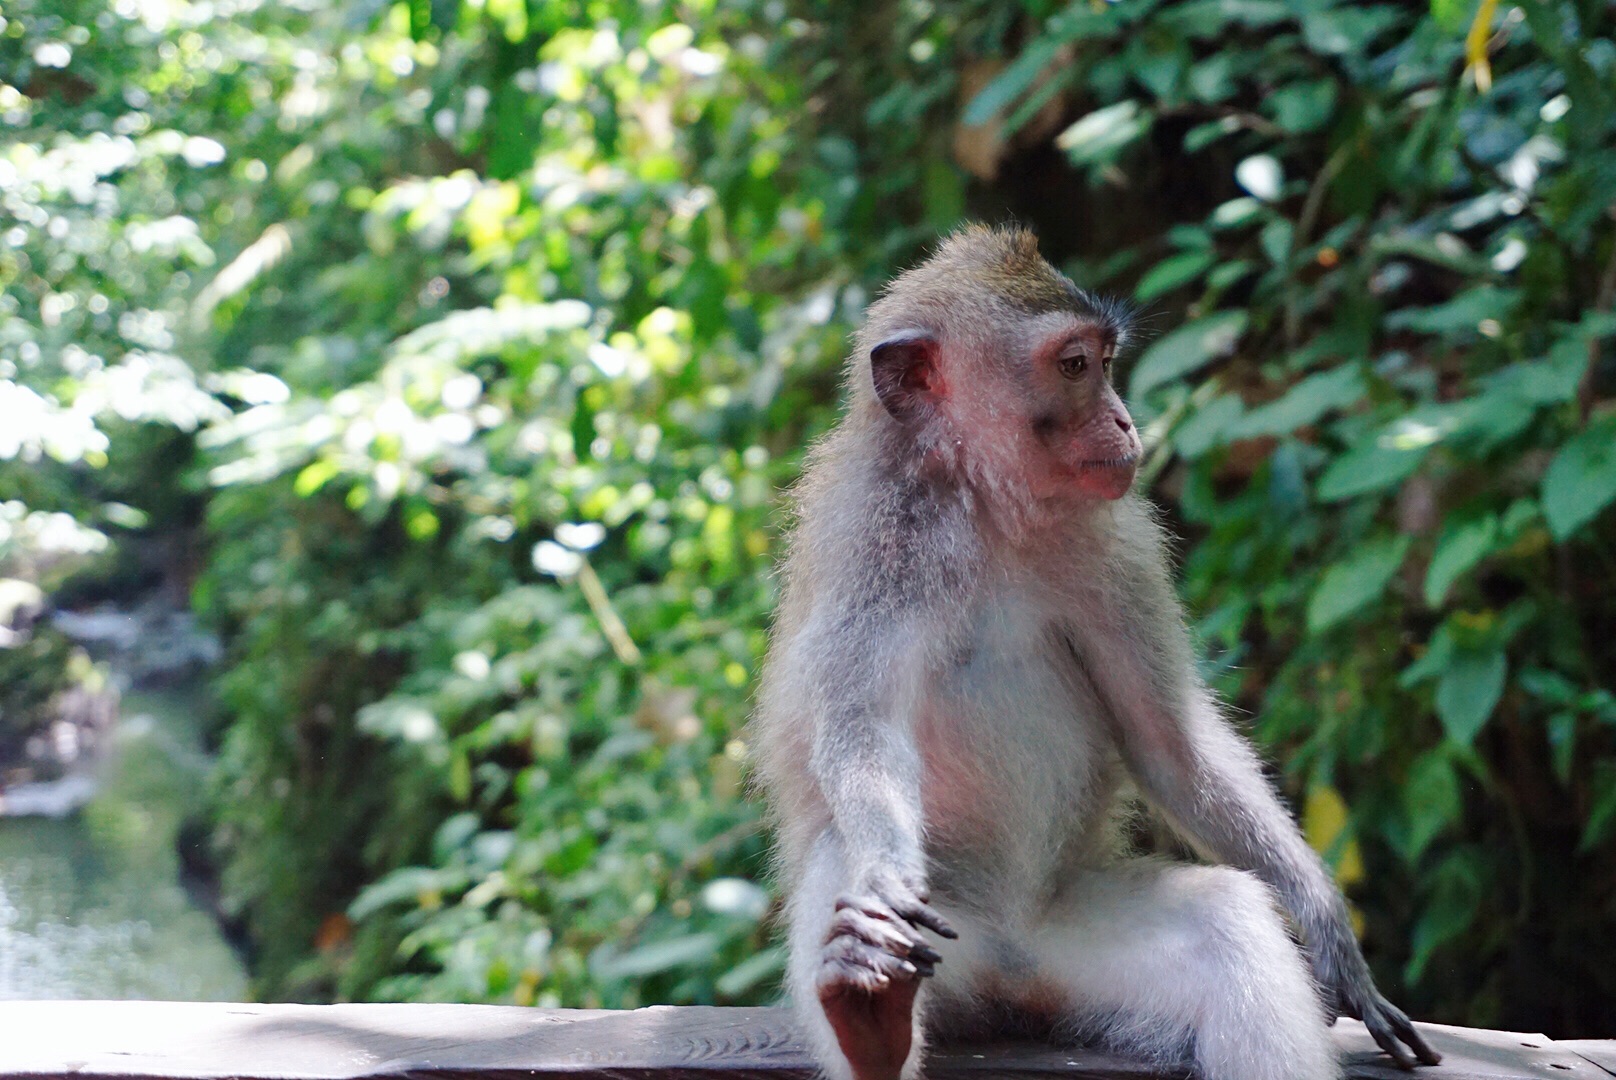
1002,261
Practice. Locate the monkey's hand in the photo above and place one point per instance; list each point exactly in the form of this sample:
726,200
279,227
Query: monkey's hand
1354,994
870,970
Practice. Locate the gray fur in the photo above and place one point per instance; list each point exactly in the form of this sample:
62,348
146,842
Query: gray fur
966,680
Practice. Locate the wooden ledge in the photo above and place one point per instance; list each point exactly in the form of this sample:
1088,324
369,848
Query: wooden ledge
152,1040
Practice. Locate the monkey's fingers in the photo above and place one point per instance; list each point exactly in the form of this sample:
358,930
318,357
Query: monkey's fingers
904,911
922,914
1390,1029
850,963
1404,1027
895,937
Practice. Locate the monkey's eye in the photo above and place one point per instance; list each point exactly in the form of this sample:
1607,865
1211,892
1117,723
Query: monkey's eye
1072,365
1105,363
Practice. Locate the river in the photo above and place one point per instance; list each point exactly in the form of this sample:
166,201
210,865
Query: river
91,905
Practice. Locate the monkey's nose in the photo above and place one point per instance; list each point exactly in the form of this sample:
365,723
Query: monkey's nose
1123,422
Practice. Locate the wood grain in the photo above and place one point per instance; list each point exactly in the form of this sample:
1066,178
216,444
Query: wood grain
148,1040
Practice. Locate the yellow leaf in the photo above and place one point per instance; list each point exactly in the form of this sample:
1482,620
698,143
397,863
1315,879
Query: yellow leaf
1481,31
1324,818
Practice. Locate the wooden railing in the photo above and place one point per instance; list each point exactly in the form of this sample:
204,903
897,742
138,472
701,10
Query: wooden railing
91,1040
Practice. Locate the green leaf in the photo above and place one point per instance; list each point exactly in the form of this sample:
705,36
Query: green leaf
1201,136
656,956
1562,733
1235,212
1463,545
753,971
1449,910
1207,426
1373,465
1462,315
1173,271
1468,692
1439,652
1213,79
1347,29
315,475
1226,274
1601,823
1581,480
1452,15
1304,403
1104,133
1187,349
1550,381
1010,83
1302,107
1355,582
1549,686
1431,801
1275,239
1490,418
409,884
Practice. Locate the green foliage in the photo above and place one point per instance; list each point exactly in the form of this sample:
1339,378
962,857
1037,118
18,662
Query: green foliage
500,325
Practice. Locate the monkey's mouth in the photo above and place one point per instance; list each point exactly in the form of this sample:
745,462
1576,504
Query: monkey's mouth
1125,462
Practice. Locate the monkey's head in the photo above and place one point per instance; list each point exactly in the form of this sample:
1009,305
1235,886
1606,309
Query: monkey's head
988,361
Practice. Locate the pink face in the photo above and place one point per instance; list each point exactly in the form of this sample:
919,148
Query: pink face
1048,411
1076,417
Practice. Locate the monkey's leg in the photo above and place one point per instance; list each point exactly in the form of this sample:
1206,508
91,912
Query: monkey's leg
1158,957
854,975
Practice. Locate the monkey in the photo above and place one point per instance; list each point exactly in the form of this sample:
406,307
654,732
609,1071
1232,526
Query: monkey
977,662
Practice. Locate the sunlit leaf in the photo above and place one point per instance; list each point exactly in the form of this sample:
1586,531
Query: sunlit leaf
408,885
1463,314
1102,134
1186,350
1369,467
1305,403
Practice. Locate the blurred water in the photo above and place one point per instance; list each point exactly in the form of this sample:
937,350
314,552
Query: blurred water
91,906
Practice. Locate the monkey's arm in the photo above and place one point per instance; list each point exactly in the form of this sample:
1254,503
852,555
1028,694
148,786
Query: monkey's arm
860,689
1208,782
868,859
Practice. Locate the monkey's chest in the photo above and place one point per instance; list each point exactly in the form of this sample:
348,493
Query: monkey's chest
1017,762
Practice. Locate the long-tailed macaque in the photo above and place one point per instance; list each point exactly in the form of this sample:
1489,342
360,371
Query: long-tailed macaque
978,646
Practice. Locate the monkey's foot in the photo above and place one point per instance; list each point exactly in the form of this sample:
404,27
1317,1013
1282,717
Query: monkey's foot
868,995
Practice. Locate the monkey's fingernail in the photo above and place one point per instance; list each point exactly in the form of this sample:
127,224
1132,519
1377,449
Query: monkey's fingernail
925,953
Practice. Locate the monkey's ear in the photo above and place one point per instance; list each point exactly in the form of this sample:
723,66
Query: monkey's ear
908,379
